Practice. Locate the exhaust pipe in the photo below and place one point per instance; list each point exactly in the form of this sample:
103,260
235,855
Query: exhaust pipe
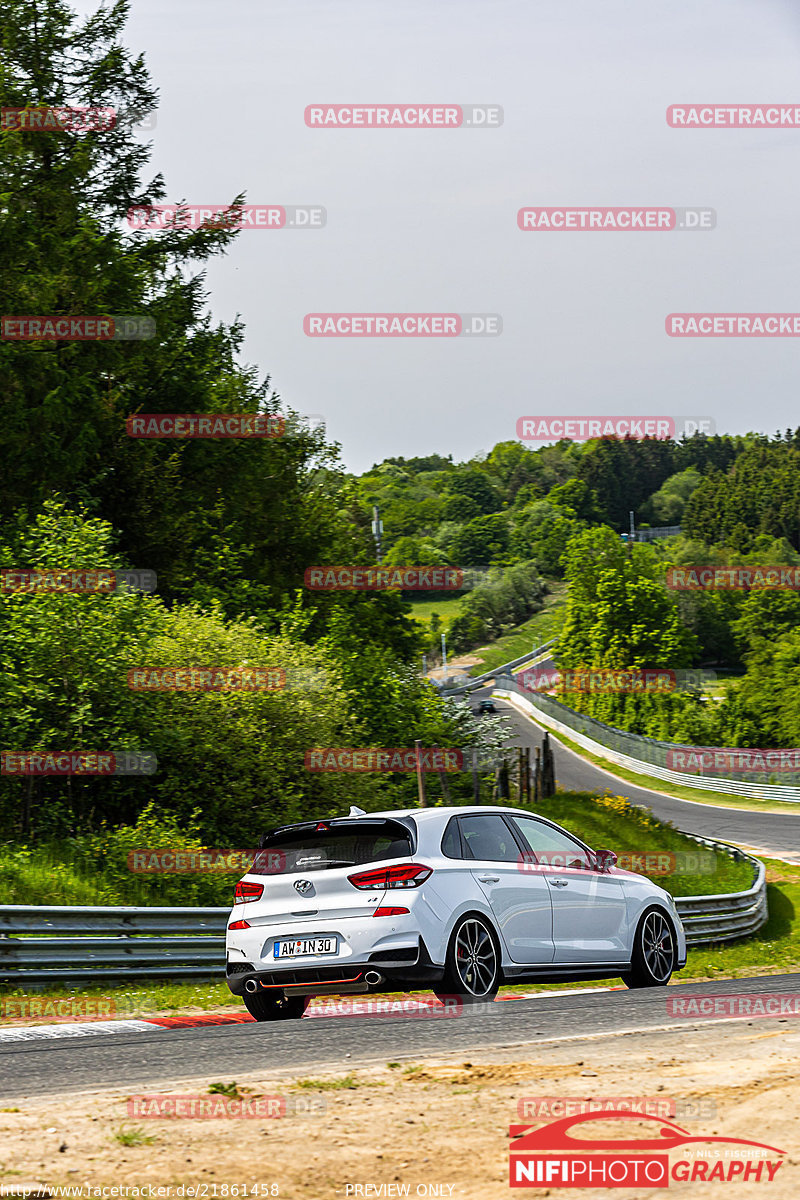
251,986
373,978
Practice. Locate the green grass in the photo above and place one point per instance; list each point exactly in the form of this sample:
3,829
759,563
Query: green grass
698,795
537,629
42,876
231,1090
135,1136
422,610
60,873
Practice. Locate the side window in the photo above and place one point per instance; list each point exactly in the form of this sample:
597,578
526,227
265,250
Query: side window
451,842
551,847
488,838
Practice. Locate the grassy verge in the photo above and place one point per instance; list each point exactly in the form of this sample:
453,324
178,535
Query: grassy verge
423,610
67,873
539,628
698,795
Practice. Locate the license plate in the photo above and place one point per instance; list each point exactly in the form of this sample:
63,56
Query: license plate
300,947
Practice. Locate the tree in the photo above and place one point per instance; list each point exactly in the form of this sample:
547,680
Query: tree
666,506
413,552
461,508
481,540
198,512
619,615
477,486
64,663
574,498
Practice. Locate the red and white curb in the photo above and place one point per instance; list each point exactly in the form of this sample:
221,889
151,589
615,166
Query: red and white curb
337,1008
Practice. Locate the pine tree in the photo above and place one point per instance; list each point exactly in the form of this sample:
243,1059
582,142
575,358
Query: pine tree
235,519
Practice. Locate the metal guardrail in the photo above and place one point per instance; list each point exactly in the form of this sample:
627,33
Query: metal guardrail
729,915
121,943
131,943
637,753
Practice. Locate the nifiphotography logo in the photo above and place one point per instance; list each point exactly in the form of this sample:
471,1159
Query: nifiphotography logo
653,1157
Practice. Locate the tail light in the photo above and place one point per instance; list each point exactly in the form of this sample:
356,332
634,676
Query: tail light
239,925
245,891
389,910
401,875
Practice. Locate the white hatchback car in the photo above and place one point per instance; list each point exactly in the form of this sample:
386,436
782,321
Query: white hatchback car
459,900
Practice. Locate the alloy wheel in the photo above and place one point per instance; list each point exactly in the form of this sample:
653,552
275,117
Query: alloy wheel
475,958
657,946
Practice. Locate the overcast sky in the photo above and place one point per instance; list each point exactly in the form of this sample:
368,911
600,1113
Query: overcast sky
425,220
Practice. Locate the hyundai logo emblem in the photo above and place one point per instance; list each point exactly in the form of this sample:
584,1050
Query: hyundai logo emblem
303,886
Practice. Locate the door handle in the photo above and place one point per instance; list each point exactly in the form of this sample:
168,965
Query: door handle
558,882
489,878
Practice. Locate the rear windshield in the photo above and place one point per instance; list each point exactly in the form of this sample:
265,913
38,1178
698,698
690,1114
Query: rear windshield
337,846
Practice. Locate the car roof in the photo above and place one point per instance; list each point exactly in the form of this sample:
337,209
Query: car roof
440,810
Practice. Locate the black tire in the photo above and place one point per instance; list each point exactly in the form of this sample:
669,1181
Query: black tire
266,1006
654,951
472,967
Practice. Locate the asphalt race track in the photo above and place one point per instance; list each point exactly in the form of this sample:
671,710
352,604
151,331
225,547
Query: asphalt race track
772,833
41,1068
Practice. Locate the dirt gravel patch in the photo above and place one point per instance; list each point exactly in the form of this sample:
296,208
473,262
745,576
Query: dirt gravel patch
437,1127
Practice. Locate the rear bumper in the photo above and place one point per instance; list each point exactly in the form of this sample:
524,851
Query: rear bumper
398,967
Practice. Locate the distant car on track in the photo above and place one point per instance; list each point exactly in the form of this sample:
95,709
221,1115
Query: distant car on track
486,706
459,900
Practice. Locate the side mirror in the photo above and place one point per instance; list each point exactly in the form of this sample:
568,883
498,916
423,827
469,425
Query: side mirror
605,859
